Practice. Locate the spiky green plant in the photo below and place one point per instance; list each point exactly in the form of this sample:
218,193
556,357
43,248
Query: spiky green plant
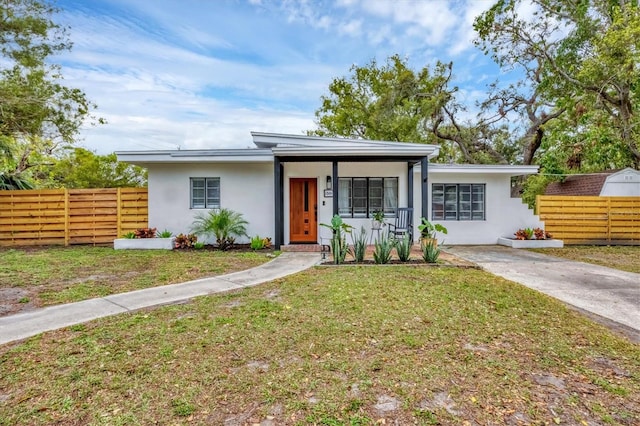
359,244
257,243
430,251
382,251
403,248
223,224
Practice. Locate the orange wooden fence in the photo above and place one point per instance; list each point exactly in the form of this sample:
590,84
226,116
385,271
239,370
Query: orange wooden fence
70,216
591,220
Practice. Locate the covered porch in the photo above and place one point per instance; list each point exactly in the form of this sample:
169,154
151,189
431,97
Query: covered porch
307,173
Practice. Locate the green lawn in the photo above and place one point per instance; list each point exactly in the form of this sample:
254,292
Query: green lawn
333,346
625,258
53,275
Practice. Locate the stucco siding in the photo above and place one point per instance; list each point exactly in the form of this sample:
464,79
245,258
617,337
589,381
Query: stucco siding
503,214
244,187
248,188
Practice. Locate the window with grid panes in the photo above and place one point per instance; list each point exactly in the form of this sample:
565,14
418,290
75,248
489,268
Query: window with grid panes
463,201
360,197
205,193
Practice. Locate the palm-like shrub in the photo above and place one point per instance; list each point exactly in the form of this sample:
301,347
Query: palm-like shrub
223,224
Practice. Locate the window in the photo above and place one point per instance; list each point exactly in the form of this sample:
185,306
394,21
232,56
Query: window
360,196
205,193
464,201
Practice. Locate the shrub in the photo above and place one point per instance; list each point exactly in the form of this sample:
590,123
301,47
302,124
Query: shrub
339,247
524,234
198,245
403,248
430,251
145,232
359,244
382,251
165,234
266,242
183,241
223,224
257,243
129,235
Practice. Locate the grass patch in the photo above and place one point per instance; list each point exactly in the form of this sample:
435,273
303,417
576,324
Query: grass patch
625,258
333,346
56,275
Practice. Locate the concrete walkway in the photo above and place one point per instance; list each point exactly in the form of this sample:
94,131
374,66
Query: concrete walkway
608,293
21,326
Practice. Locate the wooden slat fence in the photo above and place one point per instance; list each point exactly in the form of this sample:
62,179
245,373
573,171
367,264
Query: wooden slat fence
591,220
70,216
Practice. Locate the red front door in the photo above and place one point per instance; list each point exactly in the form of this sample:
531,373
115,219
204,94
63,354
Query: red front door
303,210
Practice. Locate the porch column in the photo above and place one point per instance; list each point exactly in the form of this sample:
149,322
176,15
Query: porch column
424,164
278,186
410,184
334,178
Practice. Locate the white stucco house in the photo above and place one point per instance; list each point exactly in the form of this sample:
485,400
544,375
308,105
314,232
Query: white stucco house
288,184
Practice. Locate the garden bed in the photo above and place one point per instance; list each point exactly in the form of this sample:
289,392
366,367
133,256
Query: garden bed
530,244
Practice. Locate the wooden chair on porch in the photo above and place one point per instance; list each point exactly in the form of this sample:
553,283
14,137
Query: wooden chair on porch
403,223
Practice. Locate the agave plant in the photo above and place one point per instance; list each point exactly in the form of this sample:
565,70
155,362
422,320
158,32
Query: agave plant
223,224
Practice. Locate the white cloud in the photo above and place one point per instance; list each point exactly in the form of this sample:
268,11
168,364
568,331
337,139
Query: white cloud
204,74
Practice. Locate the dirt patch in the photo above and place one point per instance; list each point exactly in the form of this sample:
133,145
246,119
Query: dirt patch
14,300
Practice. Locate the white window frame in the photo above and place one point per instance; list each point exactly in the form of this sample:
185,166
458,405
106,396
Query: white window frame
204,192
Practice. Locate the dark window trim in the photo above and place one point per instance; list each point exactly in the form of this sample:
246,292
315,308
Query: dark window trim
457,185
207,205
367,178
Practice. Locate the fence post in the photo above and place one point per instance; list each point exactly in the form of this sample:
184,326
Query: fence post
119,214
609,219
67,213
536,208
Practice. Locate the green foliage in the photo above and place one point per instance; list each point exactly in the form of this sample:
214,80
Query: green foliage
403,247
430,250
428,229
378,215
223,224
580,60
257,243
382,250
165,234
182,407
39,114
80,168
359,240
395,103
534,185
339,246
198,245
129,235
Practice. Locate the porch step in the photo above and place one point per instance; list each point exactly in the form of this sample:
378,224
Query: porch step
311,248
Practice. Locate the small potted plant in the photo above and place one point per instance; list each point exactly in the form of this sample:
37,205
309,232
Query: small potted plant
428,231
377,219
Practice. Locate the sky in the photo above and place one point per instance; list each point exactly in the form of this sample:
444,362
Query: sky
201,74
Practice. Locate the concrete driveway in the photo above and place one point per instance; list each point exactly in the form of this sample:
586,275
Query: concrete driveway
608,293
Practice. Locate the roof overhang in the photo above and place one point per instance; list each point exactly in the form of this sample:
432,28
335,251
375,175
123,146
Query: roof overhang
315,146
486,169
197,156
